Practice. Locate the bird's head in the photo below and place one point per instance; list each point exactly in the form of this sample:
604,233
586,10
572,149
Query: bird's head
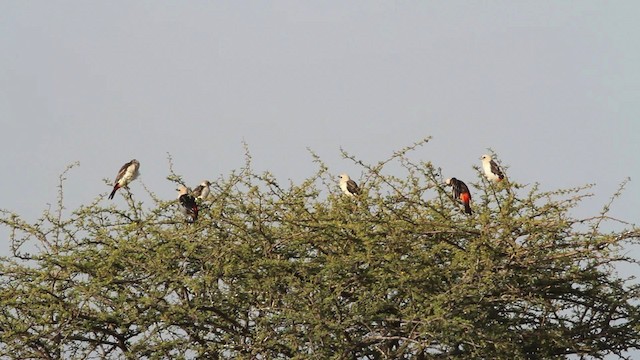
485,158
206,183
344,177
182,190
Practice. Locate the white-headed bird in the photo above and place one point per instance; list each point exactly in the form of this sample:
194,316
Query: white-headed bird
348,186
201,191
491,169
461,192
128,172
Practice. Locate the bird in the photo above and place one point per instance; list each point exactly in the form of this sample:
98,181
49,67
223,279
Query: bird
461,191
348,186
127,173
201,191
491,169
188,204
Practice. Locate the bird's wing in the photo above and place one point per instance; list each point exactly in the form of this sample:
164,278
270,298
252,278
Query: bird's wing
123,170
187,201
353,187
197,191
496,169
459,187
463,187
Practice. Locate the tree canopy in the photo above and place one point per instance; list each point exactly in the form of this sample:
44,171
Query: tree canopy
274,270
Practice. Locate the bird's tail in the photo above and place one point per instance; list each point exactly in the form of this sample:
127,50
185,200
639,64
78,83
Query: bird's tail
467,208
192,215
113,193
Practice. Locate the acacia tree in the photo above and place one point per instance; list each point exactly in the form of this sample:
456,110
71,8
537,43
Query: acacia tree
299,271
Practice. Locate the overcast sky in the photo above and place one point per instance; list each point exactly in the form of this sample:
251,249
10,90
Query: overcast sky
553,87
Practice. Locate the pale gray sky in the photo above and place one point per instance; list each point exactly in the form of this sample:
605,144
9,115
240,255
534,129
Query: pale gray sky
553,87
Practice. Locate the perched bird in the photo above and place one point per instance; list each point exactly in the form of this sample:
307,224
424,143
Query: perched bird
201,191
128,172
348,186
461,191
188,204
491,169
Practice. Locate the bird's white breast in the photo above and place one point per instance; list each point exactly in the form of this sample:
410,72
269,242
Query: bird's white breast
129,176
486,165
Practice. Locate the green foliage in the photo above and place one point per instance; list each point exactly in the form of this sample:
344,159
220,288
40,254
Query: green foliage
299,271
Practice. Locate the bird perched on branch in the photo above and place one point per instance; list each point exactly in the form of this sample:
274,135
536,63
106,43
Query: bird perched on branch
461,192
201,191
127,173
188,204
348,186
491,169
